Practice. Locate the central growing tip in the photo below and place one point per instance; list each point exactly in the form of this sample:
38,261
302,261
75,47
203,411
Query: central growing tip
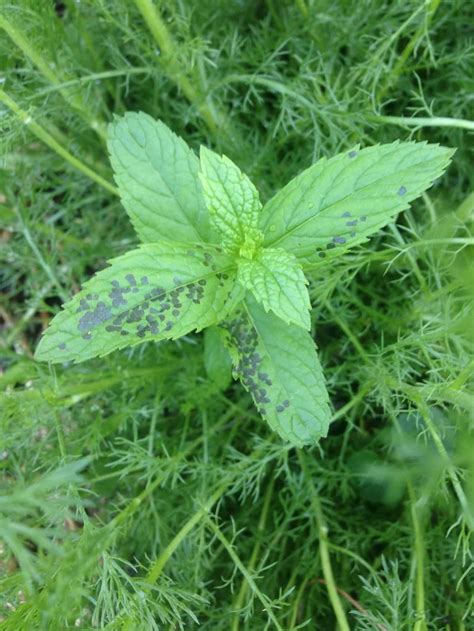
252,245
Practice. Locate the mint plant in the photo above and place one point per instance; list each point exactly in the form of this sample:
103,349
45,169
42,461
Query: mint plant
213,256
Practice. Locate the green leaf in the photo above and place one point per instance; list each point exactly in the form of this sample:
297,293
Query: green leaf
279,366
232,200
157,176
159,291
217,360
277,281
338,203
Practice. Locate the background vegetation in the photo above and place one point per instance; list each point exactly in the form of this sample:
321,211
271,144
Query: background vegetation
137,493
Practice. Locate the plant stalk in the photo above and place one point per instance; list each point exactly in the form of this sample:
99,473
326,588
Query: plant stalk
53,144
46,69
324,548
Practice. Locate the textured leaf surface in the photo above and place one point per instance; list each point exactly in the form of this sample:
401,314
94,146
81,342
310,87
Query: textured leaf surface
339,202
277,281
216,358
279,366
159,291
231,198
157,176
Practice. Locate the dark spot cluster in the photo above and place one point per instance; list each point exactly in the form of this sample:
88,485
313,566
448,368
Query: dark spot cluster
156,313
282,406
94,317
194,292
117,294
245,338
401,191
353,154
221,277
207,260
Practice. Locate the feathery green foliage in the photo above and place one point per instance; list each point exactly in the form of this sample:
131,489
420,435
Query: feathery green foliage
139,491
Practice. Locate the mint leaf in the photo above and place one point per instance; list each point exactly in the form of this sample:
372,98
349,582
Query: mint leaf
232,200
339,202
159,291
277,281
217,360
157,176
279,366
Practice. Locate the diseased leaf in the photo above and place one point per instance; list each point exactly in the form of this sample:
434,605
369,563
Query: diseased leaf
216,358
159,291
277,281
157,176
232,200
338,203
279,366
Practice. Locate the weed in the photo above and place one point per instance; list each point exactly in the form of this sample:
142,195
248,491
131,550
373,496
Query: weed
139,493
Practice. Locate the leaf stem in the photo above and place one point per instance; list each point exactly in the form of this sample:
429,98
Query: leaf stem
53,144
324,547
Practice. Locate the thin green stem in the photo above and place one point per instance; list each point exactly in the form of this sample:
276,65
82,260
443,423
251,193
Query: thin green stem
413,262
419,556
324,547
301,4
453,476
46,69
355,342
415,121
96,76
246,574
39,257
295,609
53,144
128,511
409,48
239,600
159,564
168,49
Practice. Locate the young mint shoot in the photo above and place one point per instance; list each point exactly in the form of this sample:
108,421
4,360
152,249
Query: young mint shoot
213,256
